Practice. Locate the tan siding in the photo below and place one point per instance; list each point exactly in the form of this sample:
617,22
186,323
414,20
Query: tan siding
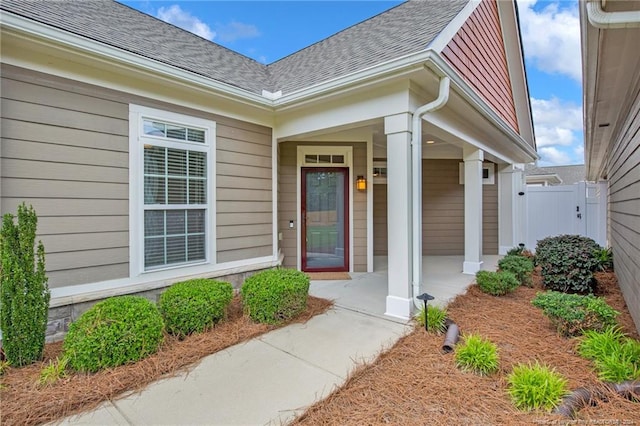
65,151
442,212
287,203
624,207
477,52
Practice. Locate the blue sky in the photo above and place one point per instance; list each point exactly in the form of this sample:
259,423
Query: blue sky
269,30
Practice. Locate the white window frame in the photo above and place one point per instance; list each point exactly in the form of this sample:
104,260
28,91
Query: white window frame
379,164
137,115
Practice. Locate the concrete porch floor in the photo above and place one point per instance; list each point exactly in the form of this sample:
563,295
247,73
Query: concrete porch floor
366,292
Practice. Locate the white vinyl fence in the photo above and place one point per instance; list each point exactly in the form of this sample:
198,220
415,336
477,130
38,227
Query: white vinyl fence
568,209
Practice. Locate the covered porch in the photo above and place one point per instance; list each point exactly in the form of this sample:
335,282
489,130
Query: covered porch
366,292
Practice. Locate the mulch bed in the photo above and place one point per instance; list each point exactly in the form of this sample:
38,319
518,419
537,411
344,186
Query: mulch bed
24,402
415,383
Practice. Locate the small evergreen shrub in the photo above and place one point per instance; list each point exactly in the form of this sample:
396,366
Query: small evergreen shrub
434,317
24,294
194,306
497,283
520,266
567,263
573,314
536,386
516,251
604,259
615,356
275,295
4,366
477,355
116,331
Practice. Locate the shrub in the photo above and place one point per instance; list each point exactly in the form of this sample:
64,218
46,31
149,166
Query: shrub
194,306
496,283
275,295
520,266
604,259
24,295
573,314
616,356
536,386
516,251
114,332
567,263
4,366
477,355
434,317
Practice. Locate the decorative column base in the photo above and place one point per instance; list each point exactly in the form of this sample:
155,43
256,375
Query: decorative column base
470,268
398,307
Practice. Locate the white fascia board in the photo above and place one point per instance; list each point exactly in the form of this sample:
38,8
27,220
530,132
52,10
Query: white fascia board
477,102
67,40
452,28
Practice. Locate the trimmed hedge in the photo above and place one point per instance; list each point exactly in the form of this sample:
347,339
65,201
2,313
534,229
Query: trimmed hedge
116,331
496,283
275,295
194,306
572,314
520,266
567,263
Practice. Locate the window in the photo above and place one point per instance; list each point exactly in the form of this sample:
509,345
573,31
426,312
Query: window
379,171
175,186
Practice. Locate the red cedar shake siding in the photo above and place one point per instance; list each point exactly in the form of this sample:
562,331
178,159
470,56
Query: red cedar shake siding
477,53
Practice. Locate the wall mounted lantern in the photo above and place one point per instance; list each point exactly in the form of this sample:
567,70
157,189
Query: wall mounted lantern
361,183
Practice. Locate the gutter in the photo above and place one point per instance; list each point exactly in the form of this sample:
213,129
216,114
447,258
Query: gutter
416,176
606,20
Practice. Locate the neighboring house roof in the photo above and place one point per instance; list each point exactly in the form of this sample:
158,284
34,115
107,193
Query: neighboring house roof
404,29
555,175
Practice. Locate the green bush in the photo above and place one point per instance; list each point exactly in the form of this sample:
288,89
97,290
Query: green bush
497,283
194,306
275,295
24,295
520,266
616,356
604,259
573,314
516,251
114,332
567,263
434,317
477,355
536,386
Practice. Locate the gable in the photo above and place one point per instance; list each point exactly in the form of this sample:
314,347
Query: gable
477,52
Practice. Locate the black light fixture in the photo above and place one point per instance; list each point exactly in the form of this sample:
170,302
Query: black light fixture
425,298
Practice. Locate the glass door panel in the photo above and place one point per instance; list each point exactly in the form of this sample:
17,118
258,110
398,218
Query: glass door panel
325,245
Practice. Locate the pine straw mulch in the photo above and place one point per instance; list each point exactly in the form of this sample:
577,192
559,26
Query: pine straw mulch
24,402
415,383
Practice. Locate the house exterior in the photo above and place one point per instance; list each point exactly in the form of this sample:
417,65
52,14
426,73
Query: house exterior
152,155
611,92
554,175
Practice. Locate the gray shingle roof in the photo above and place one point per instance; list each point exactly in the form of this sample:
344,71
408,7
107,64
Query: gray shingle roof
406,28
568,174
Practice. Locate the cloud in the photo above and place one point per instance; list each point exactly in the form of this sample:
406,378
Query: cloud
551,37
556,122
234,30
185,20
551,156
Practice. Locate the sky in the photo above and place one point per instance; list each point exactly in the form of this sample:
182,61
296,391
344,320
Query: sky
269,30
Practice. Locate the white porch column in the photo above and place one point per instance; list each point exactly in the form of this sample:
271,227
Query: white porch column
511,212
398,131
473,158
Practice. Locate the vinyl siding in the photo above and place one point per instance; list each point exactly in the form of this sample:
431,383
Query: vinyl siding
65,151
287,203
624,206
477,52
442,212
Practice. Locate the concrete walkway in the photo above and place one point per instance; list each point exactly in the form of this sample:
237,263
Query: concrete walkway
267,380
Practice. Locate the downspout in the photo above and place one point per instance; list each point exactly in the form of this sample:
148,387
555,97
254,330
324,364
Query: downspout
601,19
416,175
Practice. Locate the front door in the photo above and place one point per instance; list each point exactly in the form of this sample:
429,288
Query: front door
325,219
